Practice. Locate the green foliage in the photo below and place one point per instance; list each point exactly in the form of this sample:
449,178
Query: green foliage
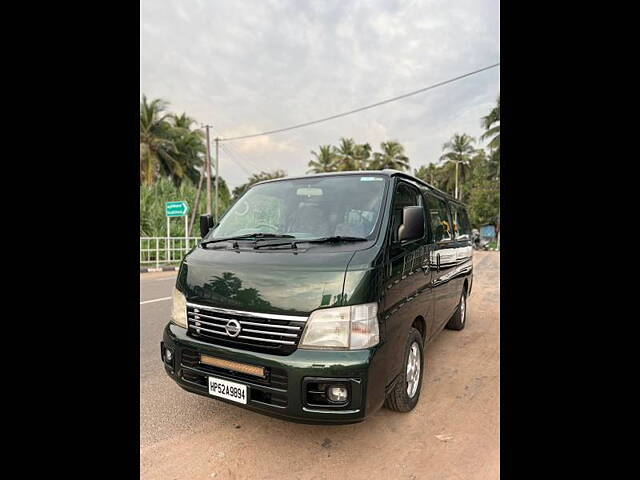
325,160
168,145
350,156
392,156
491,123
483,199
153,222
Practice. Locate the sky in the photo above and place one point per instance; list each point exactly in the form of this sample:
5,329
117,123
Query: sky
250,66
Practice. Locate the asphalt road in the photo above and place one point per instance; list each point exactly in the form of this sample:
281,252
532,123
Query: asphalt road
453,433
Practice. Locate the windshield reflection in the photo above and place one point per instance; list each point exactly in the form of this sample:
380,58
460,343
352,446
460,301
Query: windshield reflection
311,207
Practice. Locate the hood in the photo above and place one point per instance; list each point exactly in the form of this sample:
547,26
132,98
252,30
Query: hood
267,281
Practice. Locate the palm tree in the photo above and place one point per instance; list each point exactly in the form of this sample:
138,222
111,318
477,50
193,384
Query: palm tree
458,151
392,156
362,156
156,146
492,132
190,149
325,160
346,155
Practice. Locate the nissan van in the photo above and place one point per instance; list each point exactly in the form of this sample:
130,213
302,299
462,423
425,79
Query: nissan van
314,298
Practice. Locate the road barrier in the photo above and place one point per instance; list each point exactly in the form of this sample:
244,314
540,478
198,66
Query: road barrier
165,251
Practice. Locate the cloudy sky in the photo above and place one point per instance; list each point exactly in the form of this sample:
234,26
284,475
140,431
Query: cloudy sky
249,66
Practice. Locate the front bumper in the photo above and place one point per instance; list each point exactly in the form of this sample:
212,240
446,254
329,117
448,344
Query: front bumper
282,394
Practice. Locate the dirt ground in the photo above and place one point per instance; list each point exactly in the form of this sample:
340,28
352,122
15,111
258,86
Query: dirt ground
453,433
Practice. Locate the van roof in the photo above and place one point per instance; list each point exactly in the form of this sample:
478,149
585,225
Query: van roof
385,172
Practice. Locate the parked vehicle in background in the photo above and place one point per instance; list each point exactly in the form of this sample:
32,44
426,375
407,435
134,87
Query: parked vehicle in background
314,297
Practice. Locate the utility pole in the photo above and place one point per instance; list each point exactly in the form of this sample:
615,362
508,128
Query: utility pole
457,180
217,176
207,167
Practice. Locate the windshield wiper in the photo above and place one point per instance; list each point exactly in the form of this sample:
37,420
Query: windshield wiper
248,235
334,239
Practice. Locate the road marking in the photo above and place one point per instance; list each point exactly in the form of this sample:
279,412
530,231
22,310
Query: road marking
155,300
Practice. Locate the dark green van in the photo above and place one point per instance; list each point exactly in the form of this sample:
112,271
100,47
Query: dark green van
314,297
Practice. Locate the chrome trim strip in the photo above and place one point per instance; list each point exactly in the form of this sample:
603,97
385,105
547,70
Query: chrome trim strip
206,323
292,318
198,314
243,322
194,320
282,342
211,331
292,335
268,340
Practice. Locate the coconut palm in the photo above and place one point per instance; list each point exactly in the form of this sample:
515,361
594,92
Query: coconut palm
346,155
190,149
157,149
325,160
458,151
392,156
491,123
362,156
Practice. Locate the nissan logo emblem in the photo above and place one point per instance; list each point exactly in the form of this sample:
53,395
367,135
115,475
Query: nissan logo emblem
233,328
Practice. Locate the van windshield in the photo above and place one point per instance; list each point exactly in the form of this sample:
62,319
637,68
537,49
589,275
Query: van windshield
308,208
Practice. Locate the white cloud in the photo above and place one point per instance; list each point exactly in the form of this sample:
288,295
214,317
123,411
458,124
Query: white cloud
254,66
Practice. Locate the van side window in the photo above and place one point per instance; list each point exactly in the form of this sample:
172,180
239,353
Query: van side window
439,217
406,196
461,226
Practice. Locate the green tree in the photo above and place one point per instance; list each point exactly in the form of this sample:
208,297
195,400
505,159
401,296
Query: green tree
491,124
157,149
432,174
392,156
362,156
346,155
458,152
255,178
484,193
190,149
325,160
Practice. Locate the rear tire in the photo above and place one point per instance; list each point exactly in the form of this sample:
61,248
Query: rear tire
459,319
406,392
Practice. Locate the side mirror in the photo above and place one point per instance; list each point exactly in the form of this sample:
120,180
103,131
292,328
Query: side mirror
412,223
206,224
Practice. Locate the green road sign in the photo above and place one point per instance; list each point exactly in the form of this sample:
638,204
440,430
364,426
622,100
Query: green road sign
176,209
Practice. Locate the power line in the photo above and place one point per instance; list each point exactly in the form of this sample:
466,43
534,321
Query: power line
234,160
332,117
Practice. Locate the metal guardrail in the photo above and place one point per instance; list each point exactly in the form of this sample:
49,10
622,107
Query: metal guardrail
165,251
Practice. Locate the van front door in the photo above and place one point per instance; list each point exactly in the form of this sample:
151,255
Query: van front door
407,290
443,260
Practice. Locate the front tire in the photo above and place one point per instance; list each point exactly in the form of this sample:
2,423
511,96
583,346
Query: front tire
406,392
459,319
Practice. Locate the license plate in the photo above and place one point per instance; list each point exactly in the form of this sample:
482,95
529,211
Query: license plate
236,392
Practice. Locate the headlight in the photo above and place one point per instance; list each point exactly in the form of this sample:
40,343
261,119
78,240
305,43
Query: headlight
345,328
179,309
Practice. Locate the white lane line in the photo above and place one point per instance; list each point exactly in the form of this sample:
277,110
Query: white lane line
155,300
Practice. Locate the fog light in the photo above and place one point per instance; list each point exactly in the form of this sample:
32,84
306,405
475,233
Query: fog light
337,393
168,355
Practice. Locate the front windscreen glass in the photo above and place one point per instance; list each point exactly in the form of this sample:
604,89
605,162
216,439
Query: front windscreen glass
348,205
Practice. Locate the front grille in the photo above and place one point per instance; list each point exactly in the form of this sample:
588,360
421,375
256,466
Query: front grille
277,334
